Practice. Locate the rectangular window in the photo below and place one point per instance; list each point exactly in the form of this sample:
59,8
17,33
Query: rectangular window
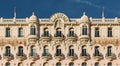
45,52
46,33
71,33
20,32
109,32
59,34
109,64
7,64
97,32
58,52
7,32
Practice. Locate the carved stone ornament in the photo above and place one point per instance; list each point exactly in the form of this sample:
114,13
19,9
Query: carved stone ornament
59,15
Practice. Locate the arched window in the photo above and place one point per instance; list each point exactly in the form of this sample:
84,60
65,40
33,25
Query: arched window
8,51
58,64
20,32
71,64
109,64
71,51
33,51
96,64
109,51
84,64
7,64
84,30
20,64
96,51
20,51
46,32
32,30
58,32
58,51
45,64
46,50
84,51
7,32
71,32
32,64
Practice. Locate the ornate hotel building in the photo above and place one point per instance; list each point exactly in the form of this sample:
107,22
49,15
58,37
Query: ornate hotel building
60,41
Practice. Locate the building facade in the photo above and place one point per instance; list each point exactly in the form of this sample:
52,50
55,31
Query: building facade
60,41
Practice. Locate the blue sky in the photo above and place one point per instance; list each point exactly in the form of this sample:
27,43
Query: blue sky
72,8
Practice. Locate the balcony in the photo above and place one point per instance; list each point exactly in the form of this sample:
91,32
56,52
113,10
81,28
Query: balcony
46,56
85,57
110,57
8,57
59,57
84,37
45,37
21,57
98,57
34,56
72,56
32,37
59,37
71,37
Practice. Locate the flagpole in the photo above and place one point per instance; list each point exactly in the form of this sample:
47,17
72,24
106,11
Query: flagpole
15,12
103,12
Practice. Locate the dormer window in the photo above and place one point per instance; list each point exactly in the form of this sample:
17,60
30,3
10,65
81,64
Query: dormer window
58,32
84,30
71,32
32,30
109,32
97,32
20,32
46,32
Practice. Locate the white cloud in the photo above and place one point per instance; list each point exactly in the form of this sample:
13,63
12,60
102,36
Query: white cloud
115,11
88,3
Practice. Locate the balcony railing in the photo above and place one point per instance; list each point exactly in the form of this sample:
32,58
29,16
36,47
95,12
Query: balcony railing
111,56
59,37
84,57
21,56
46,37
59,56
72,37
46,56
33,56
98,56
8,57
71,56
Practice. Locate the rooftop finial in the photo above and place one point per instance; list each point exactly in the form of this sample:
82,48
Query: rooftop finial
33,13
83,13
